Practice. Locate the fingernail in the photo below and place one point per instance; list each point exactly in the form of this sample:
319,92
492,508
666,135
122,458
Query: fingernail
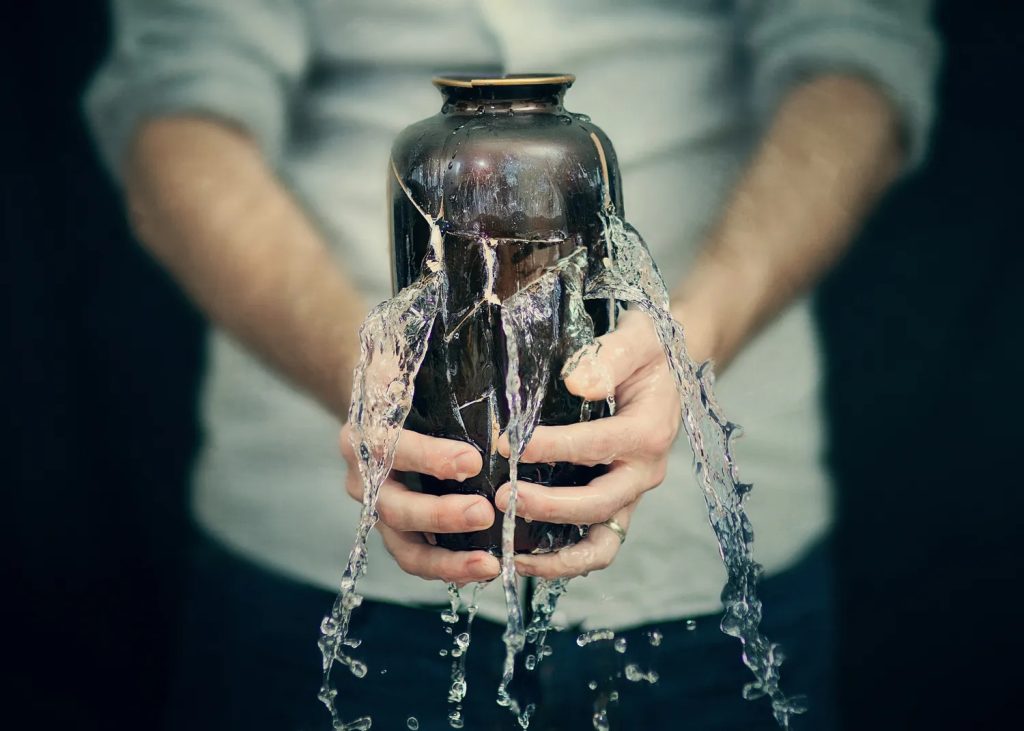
502,502
484,569
478,514
523,569
465,465
503,446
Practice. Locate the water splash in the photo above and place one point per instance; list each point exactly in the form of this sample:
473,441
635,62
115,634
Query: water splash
630,275
459,684
393,343
634,674
529,320
595,635
543,603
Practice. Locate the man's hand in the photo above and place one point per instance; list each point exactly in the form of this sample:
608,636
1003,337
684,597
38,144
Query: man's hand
406,516
634,443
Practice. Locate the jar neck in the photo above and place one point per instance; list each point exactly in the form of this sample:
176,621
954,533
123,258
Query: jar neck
549,105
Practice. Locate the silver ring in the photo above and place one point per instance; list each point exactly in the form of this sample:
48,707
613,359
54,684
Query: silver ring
615,528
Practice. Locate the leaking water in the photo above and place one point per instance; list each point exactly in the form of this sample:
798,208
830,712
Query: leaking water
632,276
459,683
393,343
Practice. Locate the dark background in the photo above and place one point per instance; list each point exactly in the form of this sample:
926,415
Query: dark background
922,325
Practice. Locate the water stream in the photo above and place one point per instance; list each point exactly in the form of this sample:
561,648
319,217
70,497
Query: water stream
632,276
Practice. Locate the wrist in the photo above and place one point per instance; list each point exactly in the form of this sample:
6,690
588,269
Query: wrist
700,331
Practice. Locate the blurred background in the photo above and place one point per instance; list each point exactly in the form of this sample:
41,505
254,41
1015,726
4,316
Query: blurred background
922,324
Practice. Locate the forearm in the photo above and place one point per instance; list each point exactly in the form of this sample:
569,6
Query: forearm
205,204
832,149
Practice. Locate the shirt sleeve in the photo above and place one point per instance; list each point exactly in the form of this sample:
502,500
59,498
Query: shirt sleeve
892,43
238,60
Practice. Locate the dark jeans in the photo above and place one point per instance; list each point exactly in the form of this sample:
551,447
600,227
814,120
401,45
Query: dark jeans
249,661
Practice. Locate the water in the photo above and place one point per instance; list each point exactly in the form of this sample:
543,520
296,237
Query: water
529,320
595,635
634,674
545,598
630,275
459,684
393,343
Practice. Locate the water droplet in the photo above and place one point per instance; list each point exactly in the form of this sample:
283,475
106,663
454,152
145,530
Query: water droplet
592,685
358,668
752,691
329,626
655,637
530,662
691,625
455,719
634,674
601,721
620,645
412,724
443,653
595,635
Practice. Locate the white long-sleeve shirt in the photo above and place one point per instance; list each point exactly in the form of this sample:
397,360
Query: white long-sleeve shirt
682,89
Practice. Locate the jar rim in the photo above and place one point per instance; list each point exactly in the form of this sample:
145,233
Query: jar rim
468,81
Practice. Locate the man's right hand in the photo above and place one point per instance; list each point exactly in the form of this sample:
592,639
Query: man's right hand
408,517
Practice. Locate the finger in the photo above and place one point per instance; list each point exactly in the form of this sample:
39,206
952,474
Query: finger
601,441
354,484
446,459
415,556
595,552
406,510
596,373
586,505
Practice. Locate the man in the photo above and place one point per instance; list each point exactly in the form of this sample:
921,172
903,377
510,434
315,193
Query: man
251,137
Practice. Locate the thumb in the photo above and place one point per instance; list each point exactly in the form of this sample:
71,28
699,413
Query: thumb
595,371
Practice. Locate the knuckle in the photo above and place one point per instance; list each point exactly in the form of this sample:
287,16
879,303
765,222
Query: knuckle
439,519
661,439
659,472
607,507
352,486
345,444
386,512
411,563
435,464
603,449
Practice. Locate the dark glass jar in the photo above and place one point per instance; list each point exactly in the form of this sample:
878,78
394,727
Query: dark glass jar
506,173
